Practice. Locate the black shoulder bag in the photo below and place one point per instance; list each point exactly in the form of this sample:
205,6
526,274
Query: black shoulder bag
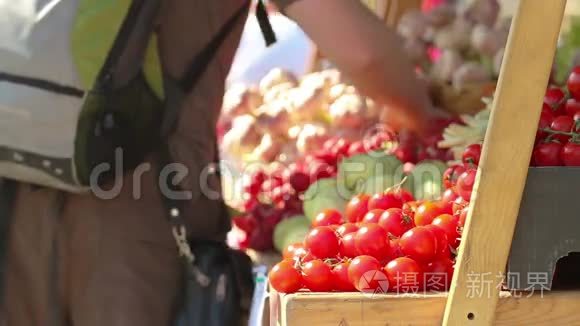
218,282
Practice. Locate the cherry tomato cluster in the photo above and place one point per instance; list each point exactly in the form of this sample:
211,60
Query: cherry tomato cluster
385,242
558,135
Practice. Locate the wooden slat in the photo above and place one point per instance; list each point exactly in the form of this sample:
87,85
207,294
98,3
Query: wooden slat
355,309
505,159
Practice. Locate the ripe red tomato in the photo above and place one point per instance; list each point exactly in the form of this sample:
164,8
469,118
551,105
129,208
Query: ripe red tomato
449,224
554,98
443,249
322,242
317,276
385,201
348,246
427,212
327,217
572,107
451,174
404,195
546,119
373,240
405,275
472,154
547,154
570,154
562,123
373,216
284,278
449,197
340,277
438,275
395,222
290,251
356,208
574,83
346,228
364,273
465,184
459,204
462,216
419,244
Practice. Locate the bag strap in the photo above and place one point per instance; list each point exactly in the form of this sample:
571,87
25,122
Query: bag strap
130,45
7,196
176,91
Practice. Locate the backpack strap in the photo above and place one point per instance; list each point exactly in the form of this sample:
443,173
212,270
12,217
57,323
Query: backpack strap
202,60
128,51
7,196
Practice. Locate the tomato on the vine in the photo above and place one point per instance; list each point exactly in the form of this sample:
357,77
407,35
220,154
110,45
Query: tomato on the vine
420,244
356,208
554,99
363,272
562,123
427,212
373,216
322,242
570,154
573,82
451,174
290,251
327,217
459,204
442,241
385,201
546,119
472,154
438,275
347,246
462,216
465,184
404,195
317,276
449,224
404,275
346,228
284,278
447,200
547,154
373,240
395,222
572,107
340,277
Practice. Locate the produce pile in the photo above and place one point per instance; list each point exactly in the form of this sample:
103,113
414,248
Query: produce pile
558,136
384,241
284,118
557,139
457,44
280,201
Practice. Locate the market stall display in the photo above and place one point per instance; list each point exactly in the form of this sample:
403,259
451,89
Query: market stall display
511,136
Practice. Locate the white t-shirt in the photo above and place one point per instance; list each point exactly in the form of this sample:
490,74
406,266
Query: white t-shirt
253,59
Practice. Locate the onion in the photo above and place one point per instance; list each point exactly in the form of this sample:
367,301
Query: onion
275,77
412,25
470,73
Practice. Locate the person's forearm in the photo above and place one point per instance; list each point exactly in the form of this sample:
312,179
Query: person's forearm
370,54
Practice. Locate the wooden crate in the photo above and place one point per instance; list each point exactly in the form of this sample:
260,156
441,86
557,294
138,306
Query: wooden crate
356,309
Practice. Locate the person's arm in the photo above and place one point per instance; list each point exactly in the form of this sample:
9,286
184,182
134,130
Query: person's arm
370,54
